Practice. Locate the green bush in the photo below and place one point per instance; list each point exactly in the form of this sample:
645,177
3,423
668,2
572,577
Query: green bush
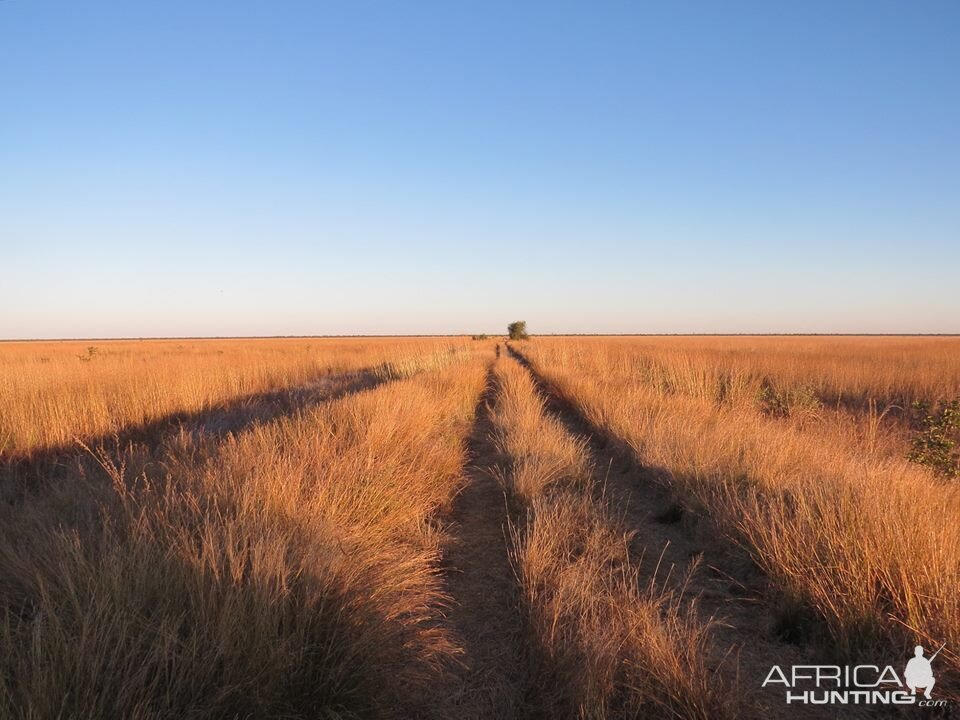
937,436
800,400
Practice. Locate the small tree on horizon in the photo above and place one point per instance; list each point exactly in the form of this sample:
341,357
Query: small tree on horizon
517,330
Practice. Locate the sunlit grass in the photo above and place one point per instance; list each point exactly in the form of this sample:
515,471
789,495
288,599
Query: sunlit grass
866,540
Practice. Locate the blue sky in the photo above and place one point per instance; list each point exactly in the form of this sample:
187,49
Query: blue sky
248,168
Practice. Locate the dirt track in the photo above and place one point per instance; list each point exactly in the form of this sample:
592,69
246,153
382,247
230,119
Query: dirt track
481,581
717,577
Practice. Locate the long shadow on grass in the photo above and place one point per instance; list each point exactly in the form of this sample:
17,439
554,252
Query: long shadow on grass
652,480
768,626
156,595
191,614
21,474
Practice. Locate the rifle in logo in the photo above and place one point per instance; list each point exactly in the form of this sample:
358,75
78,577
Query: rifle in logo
919,673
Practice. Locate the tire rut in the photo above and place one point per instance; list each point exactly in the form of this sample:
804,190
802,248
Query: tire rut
482,583
718,577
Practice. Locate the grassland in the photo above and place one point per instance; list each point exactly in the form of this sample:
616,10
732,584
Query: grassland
55,393
859,544
424,528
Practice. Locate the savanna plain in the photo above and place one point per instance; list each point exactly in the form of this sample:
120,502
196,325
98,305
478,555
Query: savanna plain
558,527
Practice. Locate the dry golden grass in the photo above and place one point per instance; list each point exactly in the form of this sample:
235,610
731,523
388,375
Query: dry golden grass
54,393
867,541
855,390
257,528
288,570
849,370
605,645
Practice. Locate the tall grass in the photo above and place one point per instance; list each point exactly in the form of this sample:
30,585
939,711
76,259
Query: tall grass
852,371
54,393
870,544
604,644
287,571
854,390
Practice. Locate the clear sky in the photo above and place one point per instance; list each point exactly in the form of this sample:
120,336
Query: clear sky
203,167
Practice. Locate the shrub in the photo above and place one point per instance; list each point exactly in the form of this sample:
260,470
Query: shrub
802,400
518,330
935,444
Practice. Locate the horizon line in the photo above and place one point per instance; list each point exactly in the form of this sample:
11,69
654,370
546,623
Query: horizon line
465,335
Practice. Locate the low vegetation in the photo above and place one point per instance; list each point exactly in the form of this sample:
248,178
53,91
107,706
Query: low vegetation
848,531
290,570
55,393
604,644
936,441
194,529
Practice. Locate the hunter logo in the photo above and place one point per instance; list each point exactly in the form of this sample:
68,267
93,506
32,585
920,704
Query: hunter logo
858,684
919,672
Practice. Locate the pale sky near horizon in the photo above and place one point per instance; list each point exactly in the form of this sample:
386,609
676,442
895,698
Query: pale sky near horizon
188,168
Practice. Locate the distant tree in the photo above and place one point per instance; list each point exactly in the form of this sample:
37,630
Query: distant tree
518,330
